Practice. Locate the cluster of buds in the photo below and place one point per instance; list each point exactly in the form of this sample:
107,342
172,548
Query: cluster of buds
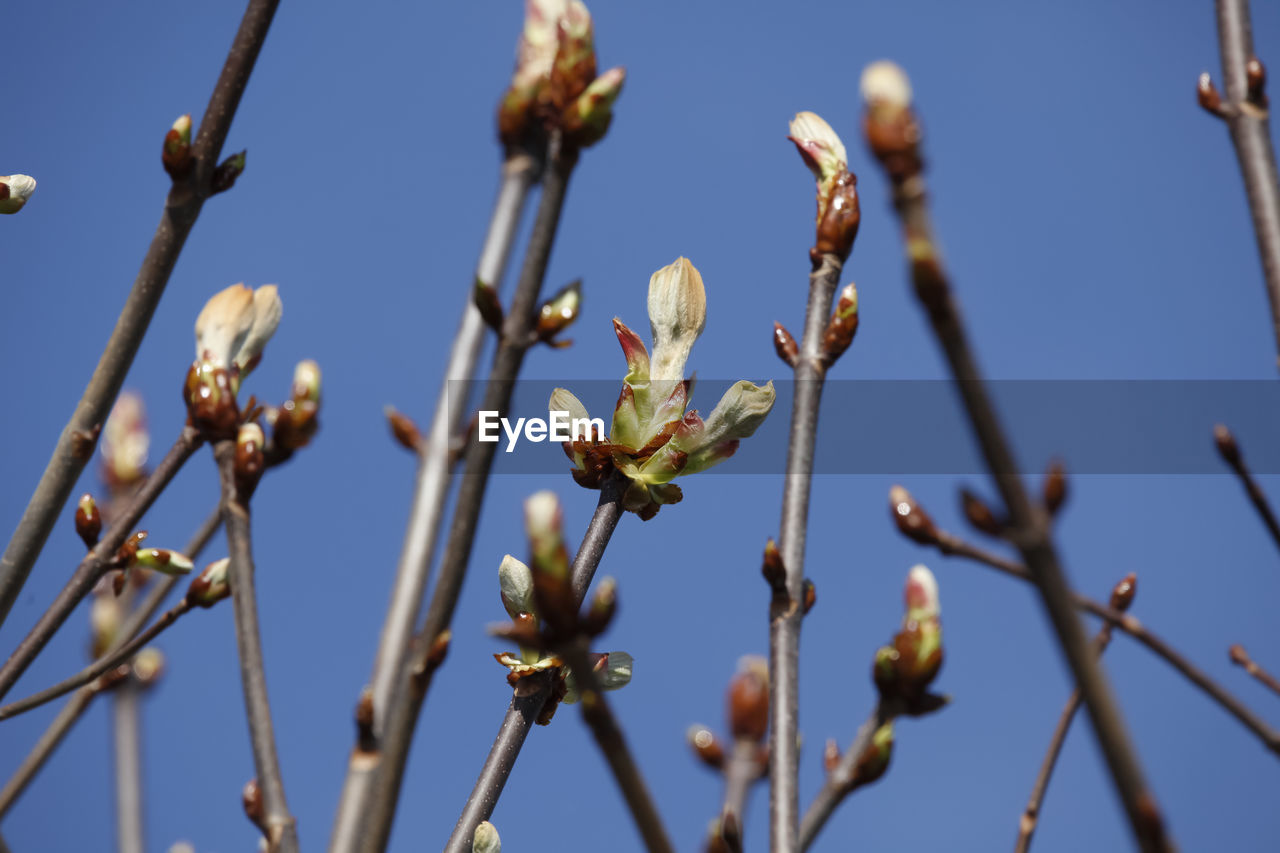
1255,104
890,125
125,444
836,338
555,83
231,332
295,422
838,212
544,611
652,440
211,585
14,192
904,670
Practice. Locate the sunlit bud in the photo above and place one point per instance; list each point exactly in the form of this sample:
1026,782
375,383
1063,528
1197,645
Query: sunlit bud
737,416
249,462
810,595
1122,594
612,670
604,604
979,514
575,63
831,755
543,520
516,583
634,351
224,176
251,799
913,522
14,192
677,316
785,345
819,146
838,214
125,441
403,429
921,595
176,154
1228,449
875,760
563,400
705,746
1055,487
773,570
295,423
306,381
587,119
535,56
1238,655
148,666
559,312
163,561
224,325
749,699
1207,95
885,82
486,839
88,521
106,616
842,326
211,585
1255,75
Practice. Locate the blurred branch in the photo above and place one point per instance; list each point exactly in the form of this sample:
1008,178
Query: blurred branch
79,703
93,566
75,445
527,702
893,134
1229,450
1241,658
841,779
127,752
276,821
1246,115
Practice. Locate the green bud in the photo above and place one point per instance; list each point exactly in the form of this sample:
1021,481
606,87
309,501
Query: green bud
163,561
486,839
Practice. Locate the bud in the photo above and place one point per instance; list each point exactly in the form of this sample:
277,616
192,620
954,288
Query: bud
775,573
838,211
14,192
1055,487
913,522
403,429
516,583
249,462
785,345
549,562
705,746
488,304
235,325
106,616
575,62
979,514
88,521
903,670
612,670
885,84
587,119
921,595
1122,594
559,312
176,154
749,699
486,839
738,414
224,176
162,560
873,762
677,316
889,125
148,666
1238,655
211,585
810,595
251,799
842,326
296,421
1207,95
820,148
1255,75
1228,449
604,604
125,442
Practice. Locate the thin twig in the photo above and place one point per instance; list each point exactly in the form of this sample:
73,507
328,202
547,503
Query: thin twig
1241,658
1130,625
127,752
786,614
741,770
368,804
1230,451
279,825
1029,525
1246,116
608,734
98,561
1031,814
79,703
183,205
840,780
528,701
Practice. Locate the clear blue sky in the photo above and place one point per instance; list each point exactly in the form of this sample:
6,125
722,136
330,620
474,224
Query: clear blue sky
1093,218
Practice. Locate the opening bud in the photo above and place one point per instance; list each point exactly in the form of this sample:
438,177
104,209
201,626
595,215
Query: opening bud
14,192
88,521
249,462
516,583
163,561
587,119
558,313
486,839
677,316
224,176
913,522
126,442
176,154
211,585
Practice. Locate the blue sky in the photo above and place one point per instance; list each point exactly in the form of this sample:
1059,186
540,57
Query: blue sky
1095,225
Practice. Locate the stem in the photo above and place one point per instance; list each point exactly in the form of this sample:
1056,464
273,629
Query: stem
98,561
75,444
1028,522
277,822
1250,135
76,705
1235,459
608,734
1031,815
368,804
741,771
527,703
434,471
127,741
950,544
840,780
786,614
102,665
1241,657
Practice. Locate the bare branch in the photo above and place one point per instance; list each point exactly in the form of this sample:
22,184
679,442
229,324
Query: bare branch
1241,658
127,752
1229,450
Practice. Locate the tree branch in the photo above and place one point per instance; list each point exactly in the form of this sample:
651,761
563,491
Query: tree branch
75,445
277,822
93,566
127,751
1229,450
840,780
786,614
1241,658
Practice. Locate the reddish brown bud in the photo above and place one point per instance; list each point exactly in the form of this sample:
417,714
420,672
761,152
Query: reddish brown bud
842,326
831,755
176,153
88,521
1255,74
439,649
225,174
251,798
365,740
749,699
785,345
1054,490
706,747
1239,656
1122,594
249,461
1207,95
1227,447
839,224
979,514
486,299
773,570
913,522
810,595
83,440
128,551
403,429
